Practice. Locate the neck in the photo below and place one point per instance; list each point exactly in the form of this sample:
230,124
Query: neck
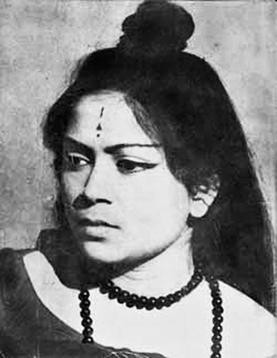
163,274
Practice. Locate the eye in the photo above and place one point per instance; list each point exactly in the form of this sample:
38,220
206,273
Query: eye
74,161
127,166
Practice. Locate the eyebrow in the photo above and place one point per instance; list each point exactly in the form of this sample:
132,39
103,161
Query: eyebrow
117,147
110,149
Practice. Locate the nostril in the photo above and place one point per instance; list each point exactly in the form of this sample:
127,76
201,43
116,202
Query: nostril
83,202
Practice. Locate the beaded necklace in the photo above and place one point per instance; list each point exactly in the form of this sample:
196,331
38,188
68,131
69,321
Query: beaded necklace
150,303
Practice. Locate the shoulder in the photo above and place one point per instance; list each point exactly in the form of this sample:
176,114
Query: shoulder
14,286
24,265
241,305
9,260
7,255
11,266
250,330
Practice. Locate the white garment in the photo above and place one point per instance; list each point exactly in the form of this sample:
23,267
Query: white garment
182,330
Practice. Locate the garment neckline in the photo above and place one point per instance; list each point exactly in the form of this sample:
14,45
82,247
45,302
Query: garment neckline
22,259
21,256
44,264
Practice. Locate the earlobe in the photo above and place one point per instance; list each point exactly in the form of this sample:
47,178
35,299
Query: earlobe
201,201
198,208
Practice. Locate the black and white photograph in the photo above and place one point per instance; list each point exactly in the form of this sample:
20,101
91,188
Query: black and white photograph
138,176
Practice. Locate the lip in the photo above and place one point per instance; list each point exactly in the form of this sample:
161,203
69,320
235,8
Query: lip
96,223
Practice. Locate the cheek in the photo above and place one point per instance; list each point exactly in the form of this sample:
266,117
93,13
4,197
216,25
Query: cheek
72,185
158,205
168,205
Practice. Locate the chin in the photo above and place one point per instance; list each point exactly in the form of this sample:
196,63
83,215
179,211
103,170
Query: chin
115,260
100,251
108,261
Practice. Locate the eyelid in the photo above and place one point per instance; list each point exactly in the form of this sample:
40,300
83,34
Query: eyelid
74,155
135,158
138,166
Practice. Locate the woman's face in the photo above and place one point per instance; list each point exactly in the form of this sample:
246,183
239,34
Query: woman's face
122,202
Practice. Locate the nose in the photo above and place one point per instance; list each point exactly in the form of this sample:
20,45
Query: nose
97,185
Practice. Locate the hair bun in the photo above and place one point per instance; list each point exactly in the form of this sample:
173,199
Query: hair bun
158,28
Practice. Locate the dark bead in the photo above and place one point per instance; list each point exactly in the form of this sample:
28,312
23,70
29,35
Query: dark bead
184,290
199,271
141,302
132,300
215,293
217,319
85,312
177,296
216,355
169,299
87,331
109,284
216,347
217,301
149,306
160,303
151,303
130,303
134,297
139,305
217,328
197,277
123,296
84,304
214,285
86,322
106,286
190,286
103,289
87,340
217,311
194,284
84,294
114,292
216,337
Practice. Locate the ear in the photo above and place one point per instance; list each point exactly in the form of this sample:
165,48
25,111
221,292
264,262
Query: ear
203,197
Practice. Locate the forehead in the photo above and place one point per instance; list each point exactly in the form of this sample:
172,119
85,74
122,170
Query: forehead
118,123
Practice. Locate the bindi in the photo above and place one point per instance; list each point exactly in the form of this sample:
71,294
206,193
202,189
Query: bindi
99,127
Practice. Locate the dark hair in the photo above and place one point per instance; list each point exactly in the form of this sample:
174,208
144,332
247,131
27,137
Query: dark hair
178,98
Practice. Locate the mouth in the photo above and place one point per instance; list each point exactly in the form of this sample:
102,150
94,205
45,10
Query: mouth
96,223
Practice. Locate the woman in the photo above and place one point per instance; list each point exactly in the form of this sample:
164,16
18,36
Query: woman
163,242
